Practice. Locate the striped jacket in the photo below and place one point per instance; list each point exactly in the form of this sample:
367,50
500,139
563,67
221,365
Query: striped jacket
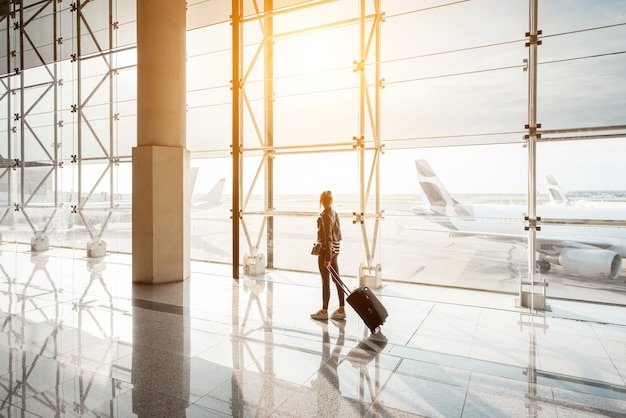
329,233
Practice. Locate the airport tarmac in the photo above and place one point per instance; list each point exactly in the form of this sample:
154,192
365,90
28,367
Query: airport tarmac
409,249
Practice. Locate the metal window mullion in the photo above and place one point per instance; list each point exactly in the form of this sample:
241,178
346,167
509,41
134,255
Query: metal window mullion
377,106
111,109
9,85
362,88
79,128
360,147
22,153
55,29
237,58
268,30
376,130
531,145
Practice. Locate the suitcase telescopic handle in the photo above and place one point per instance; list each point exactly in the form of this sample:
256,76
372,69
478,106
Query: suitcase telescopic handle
337,279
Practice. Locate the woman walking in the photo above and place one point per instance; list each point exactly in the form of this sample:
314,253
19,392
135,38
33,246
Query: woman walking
329,234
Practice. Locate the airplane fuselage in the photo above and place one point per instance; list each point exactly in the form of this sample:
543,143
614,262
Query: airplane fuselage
508,220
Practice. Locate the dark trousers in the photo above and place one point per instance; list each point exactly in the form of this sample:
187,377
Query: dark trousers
326,281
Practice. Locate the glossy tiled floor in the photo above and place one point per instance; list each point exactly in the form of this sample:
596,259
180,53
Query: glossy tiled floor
78,339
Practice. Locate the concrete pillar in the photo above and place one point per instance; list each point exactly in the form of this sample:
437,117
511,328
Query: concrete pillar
161,192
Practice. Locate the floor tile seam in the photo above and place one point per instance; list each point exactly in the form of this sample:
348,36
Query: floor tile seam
212,411
164,351
474,384
118,378
160,306
301,349
526,311
475,369
434,379
559,377
382,389
136,386
615,366
581,407
420,324
585,321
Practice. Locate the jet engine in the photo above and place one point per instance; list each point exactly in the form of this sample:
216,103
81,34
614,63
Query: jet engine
595,263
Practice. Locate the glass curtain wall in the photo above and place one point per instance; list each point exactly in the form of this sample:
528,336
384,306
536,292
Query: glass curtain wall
455,98
415,116
68,123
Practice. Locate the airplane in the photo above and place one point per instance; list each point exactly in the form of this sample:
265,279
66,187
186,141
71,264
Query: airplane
558,197
582,250
211,199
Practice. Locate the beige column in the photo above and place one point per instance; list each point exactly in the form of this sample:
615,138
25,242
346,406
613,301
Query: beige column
161,193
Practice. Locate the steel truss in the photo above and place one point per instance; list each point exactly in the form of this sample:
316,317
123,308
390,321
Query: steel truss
366,144
38,116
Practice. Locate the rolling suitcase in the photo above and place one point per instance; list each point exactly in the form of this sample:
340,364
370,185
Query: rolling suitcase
364,302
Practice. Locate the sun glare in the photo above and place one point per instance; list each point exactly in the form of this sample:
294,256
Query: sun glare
315,52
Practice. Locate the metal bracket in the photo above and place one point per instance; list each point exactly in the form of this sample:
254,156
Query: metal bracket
359,218
240,214
534,38
532,223
533,130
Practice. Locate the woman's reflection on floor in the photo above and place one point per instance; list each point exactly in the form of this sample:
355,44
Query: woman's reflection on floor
326,384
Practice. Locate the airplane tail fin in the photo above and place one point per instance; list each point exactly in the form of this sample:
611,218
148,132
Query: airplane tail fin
215,194
206,200
557,195
194,177
433,188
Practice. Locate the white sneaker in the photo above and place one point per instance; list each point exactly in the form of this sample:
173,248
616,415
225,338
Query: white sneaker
338,315
320,315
